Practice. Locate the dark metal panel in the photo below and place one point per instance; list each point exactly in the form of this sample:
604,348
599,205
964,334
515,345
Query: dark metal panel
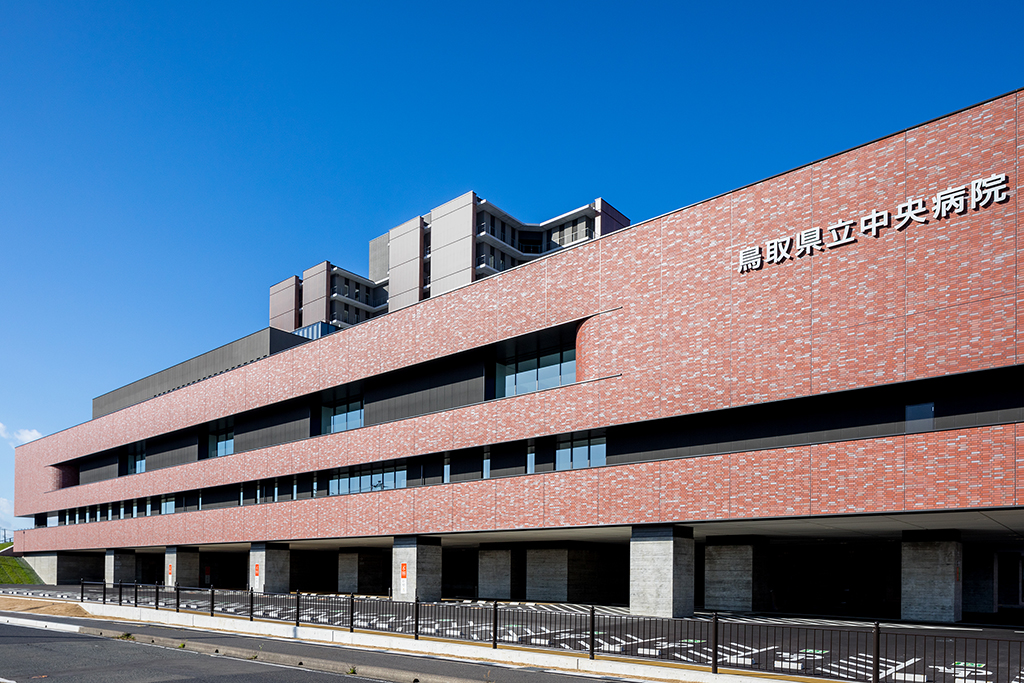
98,468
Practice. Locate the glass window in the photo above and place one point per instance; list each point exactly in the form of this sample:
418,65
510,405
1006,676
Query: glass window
222,442
580,454
598,452
563,454
526,376
568,370
920,417
340,417
531,460
389,478
137,458
167,505
377,479
549,371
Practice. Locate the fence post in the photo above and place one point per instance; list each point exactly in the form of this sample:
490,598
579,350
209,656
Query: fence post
120,593
250,603
592,627
876,655
494,627
156,600
351,612
416,618
298,605
714,643
211,599
82,599
177,596
136,602
104,591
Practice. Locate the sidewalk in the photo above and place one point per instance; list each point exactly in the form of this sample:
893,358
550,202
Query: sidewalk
386,657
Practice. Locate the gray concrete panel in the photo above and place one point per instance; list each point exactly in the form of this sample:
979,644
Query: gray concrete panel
181,566
661,572
495,574
405,243
547,574
119,565
43,564
348,572
379,257
729,577
421,559
930,582
450,283
269,568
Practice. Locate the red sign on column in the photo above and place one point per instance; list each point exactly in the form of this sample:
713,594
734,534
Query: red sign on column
168,570
257,569
404,572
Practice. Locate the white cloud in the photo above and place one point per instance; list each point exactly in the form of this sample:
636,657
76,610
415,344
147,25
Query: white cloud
18,436
7,518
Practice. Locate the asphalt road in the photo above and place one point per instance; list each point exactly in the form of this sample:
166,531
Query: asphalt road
28,654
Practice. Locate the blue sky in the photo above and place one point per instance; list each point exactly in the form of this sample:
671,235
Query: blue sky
162,164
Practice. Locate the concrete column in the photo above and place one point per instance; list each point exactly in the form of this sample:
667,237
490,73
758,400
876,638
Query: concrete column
181,566
931,585
348,572
416,568
661,571
119,565
270,568
494,580
547,574
733,574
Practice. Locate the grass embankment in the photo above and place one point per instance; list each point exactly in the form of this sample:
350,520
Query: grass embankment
16,570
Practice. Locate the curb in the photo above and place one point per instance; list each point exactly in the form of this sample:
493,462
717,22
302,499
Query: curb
315,664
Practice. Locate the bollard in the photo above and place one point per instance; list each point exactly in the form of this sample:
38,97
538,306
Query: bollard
416,618
875,657
714,643
494,627
120,593
177,596
104,591
136,601
211,600
156,598
82,599
351,612
298,605
592,620
250,603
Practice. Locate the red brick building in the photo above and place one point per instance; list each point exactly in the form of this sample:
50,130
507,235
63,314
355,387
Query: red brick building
801,396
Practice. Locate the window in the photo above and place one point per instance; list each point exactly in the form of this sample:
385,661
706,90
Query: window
920,417
222,438
575,453
342,416
366,478
536,372
137,458
167,505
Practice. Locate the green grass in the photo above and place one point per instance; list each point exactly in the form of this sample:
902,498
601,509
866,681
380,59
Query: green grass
4,546
16,570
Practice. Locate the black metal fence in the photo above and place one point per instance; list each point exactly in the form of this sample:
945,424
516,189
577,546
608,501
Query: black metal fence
866,653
